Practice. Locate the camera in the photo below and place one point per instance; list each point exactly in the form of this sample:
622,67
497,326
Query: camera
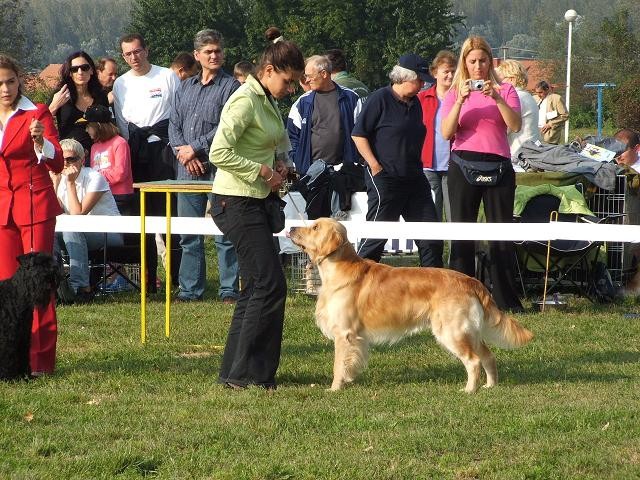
476,84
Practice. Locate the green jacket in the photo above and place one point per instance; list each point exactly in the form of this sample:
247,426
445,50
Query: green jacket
344,79
251,132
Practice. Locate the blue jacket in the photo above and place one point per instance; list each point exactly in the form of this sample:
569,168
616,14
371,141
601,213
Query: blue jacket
299,126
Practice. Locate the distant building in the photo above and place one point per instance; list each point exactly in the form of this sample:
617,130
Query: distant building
51,75
536,70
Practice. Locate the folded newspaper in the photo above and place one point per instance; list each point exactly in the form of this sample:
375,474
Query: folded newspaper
597,153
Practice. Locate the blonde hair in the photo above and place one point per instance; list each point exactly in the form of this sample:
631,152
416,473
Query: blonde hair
443,57
514,70
462,75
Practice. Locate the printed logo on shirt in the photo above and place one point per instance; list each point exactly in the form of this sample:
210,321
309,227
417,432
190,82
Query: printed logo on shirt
101,161
155,93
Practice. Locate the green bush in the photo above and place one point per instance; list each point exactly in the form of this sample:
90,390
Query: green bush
626,104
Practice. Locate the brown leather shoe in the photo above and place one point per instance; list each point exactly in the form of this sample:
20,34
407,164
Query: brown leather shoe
229,301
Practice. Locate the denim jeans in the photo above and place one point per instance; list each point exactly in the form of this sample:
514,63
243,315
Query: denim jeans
438,182
252,352
192,274
77,245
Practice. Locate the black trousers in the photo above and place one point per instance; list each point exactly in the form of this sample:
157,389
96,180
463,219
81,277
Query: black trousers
252,352
498,207
388,198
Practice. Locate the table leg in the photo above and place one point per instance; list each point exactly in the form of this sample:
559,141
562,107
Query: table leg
143,269
167,267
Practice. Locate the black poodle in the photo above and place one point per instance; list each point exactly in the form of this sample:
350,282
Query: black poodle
37,277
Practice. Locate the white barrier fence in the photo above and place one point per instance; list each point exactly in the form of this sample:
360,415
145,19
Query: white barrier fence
360,229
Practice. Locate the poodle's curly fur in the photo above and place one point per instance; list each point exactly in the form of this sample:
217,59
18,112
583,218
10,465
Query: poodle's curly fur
32,285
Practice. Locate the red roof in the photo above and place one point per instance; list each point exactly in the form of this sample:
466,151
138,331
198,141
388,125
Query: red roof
51,74
537,70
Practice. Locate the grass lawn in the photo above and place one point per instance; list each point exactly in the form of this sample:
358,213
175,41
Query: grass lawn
566,406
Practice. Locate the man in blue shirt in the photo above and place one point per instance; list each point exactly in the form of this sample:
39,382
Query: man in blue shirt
192,126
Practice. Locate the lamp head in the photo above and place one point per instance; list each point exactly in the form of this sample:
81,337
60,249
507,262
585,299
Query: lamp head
570,15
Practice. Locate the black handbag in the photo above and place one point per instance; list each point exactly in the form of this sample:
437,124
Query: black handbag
481,173
274,206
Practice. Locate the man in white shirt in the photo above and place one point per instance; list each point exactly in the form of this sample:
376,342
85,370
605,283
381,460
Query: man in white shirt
143,98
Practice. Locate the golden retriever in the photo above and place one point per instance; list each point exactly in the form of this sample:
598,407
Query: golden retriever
362,302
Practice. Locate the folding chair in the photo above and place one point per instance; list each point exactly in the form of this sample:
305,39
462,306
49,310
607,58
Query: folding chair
111,261
571,262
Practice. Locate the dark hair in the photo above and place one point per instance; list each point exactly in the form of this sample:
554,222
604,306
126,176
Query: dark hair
9,63
184,60
243,68
104,130
337,59
131,37
272,34
543,85
283,56
95,89
102,62
629,136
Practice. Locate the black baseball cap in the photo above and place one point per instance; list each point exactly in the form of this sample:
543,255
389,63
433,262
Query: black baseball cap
414,62
98,113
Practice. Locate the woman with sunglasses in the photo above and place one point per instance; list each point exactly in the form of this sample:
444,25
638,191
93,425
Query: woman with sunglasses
29,150
79,88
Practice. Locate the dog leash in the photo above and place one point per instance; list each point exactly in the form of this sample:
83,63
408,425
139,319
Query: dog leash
293,202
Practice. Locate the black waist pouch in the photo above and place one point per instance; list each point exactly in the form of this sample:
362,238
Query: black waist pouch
480,172
274,207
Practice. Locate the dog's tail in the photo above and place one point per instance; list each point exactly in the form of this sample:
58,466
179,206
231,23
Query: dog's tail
500,329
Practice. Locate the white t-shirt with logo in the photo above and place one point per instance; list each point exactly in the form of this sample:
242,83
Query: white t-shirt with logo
90,181
144,99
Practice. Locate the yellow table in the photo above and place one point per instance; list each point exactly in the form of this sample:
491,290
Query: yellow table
168,187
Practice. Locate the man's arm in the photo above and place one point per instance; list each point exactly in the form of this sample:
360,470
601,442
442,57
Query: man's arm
202,144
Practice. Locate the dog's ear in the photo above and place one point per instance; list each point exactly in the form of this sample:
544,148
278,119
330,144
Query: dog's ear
25,260
334,238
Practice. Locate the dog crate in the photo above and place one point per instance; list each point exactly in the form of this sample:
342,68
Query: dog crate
623,201
305,277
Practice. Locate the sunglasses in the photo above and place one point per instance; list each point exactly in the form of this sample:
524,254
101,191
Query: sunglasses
71,159
85,67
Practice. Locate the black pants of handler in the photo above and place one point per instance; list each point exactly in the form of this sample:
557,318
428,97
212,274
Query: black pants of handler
252,352
498,208
389,197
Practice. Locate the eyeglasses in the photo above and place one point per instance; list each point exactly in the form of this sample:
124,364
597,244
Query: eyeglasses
85,67
133,53
307,77
71,159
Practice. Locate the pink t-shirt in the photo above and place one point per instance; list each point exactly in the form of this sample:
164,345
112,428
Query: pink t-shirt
113,160
480,125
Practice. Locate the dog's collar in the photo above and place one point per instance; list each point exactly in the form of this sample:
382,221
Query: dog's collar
322,259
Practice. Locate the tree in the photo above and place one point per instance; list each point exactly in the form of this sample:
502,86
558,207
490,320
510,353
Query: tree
169,26
13,34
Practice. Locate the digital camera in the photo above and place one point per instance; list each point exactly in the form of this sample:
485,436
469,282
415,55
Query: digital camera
476,84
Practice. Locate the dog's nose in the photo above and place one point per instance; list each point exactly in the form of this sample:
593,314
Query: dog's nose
291,231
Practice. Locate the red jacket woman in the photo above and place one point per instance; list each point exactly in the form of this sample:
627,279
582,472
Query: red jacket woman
29,149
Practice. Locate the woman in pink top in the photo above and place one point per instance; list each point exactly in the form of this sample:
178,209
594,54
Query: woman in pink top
110,156
478,111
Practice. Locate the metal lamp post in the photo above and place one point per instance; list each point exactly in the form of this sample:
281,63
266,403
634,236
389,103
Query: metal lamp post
570,16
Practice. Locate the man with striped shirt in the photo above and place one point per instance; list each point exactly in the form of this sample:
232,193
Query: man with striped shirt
192,126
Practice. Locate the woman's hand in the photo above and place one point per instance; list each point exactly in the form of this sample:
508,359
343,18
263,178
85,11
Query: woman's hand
61,97
463,93
491,90
36,130
271,177
71,172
